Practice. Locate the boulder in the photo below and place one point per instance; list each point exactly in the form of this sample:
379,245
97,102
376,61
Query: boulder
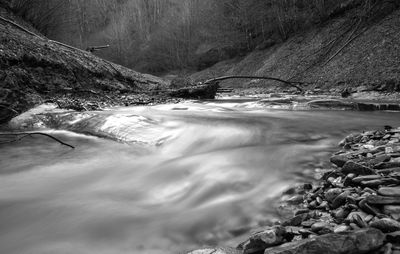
361,241
352,167
260,241
217,251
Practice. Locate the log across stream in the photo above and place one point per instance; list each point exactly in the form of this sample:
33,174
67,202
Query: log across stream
186,176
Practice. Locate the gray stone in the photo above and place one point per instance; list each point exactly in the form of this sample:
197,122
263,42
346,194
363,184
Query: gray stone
220,250
356,168
389,191
340,199
393,237
270,237
386,225
361,241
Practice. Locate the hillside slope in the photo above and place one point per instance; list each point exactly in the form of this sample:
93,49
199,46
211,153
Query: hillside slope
34,69
334,56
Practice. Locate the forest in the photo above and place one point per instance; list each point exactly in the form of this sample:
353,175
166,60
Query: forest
159,36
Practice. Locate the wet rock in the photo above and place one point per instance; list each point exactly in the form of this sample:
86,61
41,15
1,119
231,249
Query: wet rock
361,241
220,250
389,191
295,200
382,200
386,225
356,168
340,199
262,240
364,206
393,237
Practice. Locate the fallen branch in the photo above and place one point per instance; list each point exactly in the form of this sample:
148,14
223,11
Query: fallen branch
22,135
290,83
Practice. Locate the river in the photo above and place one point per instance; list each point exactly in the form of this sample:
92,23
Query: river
185,176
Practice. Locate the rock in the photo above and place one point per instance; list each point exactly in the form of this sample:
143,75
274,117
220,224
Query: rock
364,206
301,211
295,200
262,240
339,160
392,210
340,199
356,168
360,179
341,229
386,249
319,225
386,225
296,220
361,241
382,200
217,251
393,237
331,194
341,213
389,191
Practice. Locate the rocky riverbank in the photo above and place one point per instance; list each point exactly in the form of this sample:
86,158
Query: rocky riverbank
353,208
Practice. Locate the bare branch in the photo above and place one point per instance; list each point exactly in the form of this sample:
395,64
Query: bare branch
290,83
22,135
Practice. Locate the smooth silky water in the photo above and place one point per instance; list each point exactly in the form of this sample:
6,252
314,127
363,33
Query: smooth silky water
186,176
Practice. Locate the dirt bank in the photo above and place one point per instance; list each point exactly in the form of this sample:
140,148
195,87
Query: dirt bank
335,55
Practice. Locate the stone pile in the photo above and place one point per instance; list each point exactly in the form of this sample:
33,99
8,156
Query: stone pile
354,208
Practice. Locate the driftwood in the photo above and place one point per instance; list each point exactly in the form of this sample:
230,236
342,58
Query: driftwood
290,83
21,135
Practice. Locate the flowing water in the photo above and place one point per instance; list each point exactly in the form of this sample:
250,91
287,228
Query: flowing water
187,175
